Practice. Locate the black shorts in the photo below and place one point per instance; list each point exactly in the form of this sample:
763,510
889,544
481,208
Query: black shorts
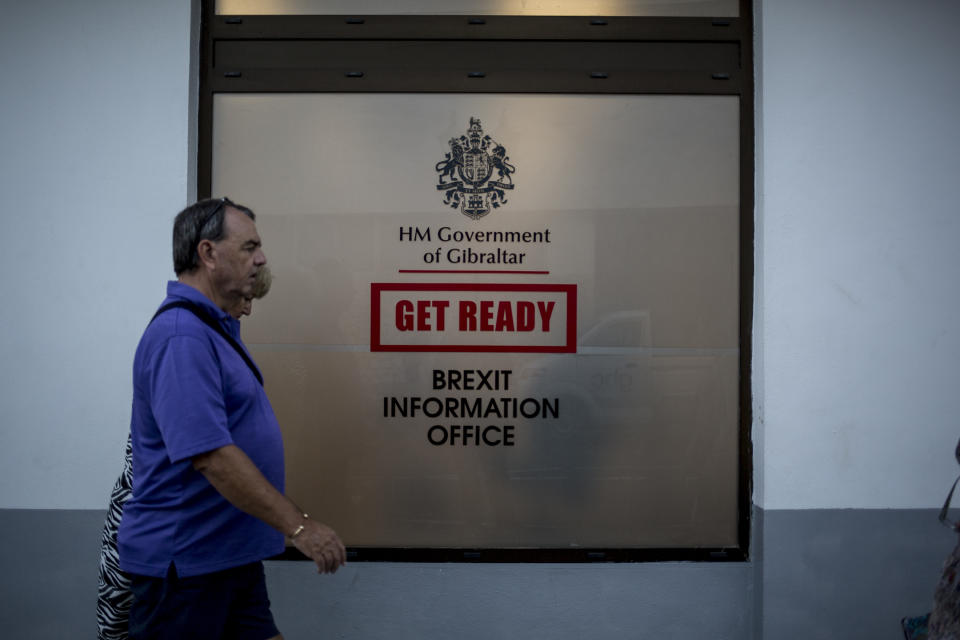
230,604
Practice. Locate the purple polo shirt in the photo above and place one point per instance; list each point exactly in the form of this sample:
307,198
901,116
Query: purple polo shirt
193,393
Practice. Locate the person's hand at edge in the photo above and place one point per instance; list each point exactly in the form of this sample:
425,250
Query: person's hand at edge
321,544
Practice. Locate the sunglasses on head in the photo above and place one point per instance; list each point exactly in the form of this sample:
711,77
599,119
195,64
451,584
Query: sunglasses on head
220,205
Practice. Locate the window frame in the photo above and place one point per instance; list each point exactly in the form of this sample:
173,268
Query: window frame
670,56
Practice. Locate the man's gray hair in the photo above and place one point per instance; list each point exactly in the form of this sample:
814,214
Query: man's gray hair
203,220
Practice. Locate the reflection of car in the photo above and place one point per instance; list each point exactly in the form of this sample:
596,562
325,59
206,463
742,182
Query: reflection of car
619,329
608,379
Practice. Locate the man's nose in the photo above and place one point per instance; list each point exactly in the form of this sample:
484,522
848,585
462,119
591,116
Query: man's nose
260,258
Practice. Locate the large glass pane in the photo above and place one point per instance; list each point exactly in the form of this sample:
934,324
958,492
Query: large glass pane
678,8
498,320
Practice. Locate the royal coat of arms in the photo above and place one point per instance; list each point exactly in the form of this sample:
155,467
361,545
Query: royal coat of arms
475,175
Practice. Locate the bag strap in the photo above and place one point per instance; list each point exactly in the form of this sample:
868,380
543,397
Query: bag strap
199,311
946,505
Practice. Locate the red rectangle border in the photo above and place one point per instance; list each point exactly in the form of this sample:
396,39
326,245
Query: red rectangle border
569,289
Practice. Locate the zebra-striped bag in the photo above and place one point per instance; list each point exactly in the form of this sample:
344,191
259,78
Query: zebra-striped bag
113,592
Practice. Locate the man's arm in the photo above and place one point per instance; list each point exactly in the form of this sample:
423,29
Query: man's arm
238,480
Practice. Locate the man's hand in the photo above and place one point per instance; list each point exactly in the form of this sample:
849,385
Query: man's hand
322,545
238,480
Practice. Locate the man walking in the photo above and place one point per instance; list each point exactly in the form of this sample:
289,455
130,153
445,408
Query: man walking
208,503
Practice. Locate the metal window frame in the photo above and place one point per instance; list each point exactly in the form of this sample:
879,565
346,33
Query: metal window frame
663,56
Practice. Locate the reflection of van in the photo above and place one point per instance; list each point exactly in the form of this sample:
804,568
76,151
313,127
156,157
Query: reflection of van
607,380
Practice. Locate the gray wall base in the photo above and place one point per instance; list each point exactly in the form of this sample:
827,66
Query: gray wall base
814,574
849,573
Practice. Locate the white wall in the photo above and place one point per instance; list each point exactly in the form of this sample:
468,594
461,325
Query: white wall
859,293
858,242
94,164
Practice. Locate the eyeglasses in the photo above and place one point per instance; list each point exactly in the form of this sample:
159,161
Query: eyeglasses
220,205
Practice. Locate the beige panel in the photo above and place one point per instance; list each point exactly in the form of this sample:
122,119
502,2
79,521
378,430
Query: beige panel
331,154
639,195
643,452
686,8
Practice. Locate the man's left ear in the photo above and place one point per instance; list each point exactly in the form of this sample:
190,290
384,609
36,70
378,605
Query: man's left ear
207,253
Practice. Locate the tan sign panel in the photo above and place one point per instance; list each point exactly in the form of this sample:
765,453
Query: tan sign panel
498,320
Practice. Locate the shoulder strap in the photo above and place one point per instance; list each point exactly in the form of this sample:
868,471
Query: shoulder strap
946,508
946,505
198,311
